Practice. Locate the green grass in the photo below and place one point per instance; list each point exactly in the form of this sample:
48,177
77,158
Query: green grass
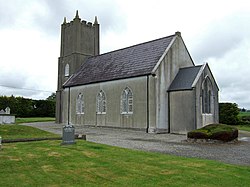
34,119
19,131
47,163
241,114
243,127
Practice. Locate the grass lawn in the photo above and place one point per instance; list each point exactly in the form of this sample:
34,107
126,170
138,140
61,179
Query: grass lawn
46,163
35,119
19,131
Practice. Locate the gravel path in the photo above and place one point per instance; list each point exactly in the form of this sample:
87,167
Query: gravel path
233,153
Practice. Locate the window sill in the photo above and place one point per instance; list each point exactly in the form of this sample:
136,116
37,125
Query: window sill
127,113
101,113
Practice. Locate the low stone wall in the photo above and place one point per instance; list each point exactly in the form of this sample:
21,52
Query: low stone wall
7,119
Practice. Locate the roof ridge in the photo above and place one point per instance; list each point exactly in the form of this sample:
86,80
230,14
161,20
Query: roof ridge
132,46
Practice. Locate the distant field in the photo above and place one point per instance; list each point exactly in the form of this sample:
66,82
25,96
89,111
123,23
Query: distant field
241,114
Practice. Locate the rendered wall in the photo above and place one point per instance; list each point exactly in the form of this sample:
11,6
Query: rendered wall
182,111
177,57
113,116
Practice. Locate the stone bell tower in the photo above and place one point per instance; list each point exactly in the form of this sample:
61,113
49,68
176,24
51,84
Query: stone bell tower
79,40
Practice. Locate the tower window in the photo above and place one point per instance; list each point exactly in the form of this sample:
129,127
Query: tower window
80,104
66,70
127,101
101,103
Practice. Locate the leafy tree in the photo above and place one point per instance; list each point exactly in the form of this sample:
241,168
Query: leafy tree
23,107
228,113
52,97
44,108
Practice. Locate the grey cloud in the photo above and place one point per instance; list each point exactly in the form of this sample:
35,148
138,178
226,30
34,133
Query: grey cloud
221,37
50,18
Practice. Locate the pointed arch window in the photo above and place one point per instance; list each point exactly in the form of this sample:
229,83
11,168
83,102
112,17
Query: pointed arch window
127,101
80,104
206,96
66,70
101,103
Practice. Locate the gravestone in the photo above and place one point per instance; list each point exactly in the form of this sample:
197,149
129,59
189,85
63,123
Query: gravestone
7,110
6,117
68,135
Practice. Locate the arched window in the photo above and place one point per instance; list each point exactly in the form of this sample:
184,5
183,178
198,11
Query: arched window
127,101
80,104
206,95
66,70
101,103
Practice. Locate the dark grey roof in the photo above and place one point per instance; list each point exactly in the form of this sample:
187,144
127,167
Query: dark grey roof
129,62
184,78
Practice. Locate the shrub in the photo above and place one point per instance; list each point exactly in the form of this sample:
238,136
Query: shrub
228,113
215,132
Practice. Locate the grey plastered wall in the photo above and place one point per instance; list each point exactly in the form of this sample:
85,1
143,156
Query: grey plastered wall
215,103
182,111
113,116
176,57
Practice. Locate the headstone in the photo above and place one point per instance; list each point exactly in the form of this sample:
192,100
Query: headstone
2,111
7,110
68,135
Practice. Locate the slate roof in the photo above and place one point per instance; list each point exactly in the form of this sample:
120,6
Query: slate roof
129,62
184,78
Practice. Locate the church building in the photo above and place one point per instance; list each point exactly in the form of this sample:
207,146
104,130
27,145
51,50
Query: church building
152,86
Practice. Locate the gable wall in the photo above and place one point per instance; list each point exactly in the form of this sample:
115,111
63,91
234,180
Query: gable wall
214,108
113,116
177,57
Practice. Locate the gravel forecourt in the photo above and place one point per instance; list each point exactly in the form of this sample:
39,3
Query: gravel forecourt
237,152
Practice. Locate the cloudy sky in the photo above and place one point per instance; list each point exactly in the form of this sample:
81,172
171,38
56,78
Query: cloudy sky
217,32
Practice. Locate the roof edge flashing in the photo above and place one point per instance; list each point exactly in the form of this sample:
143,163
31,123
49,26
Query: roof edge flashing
163,55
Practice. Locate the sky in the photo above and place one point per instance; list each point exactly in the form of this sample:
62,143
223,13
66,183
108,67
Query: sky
216,32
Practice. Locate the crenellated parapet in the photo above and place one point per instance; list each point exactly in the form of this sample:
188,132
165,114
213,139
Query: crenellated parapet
77,19
79,36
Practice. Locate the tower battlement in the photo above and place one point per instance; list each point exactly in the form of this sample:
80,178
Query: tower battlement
79,36
83,23
78,20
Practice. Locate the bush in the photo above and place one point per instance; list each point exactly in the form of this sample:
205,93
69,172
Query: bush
215,132
228,113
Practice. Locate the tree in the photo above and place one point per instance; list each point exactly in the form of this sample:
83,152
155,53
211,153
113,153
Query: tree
228,113
243,110
52,97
